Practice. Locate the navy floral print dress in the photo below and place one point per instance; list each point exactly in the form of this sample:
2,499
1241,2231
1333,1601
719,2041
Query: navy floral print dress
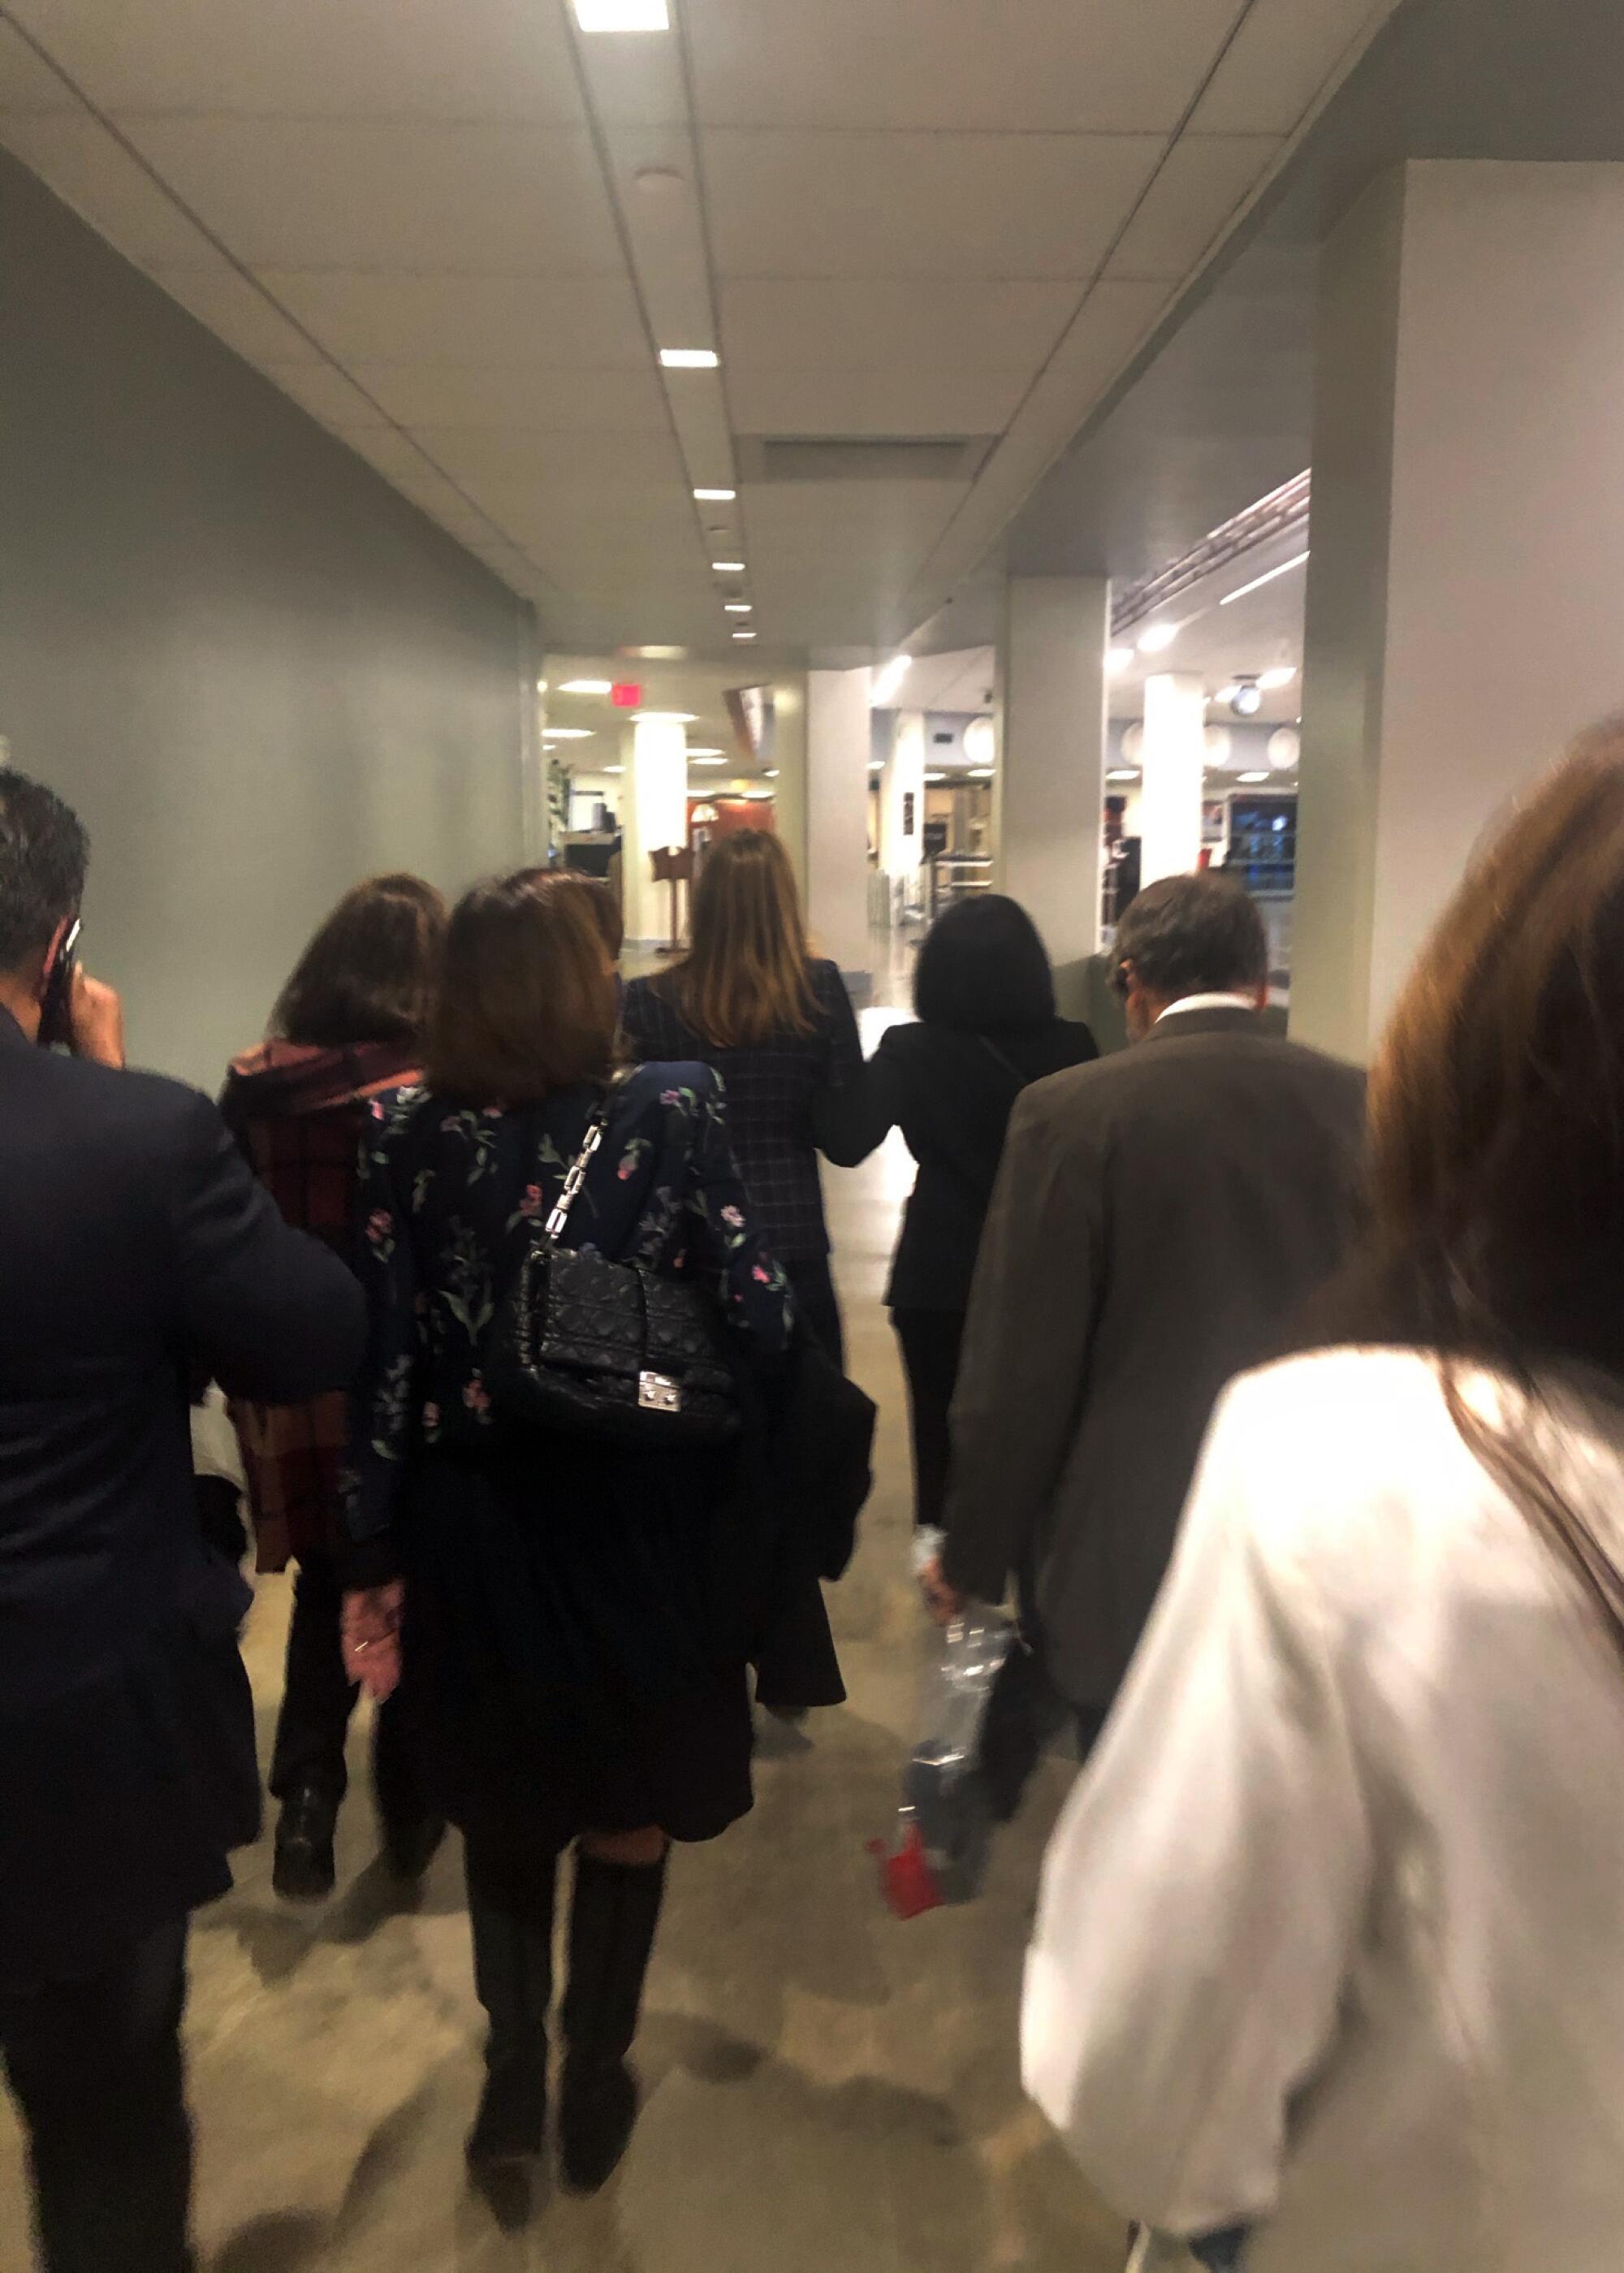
562,1620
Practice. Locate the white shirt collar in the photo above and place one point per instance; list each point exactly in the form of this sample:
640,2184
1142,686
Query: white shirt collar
1209,1003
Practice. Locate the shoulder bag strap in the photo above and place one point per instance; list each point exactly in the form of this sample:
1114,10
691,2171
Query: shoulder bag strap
552,1230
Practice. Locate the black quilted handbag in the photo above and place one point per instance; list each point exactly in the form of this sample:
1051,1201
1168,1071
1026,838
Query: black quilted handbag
585,1347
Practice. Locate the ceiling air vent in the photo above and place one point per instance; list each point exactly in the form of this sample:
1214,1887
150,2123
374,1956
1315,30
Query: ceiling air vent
878,458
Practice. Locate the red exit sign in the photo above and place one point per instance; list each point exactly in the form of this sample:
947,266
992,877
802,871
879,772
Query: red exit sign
625,694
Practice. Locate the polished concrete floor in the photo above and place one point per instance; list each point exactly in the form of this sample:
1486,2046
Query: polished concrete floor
825,2086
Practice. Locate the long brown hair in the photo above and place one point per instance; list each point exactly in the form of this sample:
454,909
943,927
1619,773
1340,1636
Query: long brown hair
1497,1127
369,974
528,1002
748,975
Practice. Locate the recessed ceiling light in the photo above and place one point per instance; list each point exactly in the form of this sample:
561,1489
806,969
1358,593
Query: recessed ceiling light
727,567
1123,773
694,760
769,773
1156,639
1258,582
743,635
1252,777
567,734
586,687
936,777
715,496
690,358
981,773
736,608
668,718
1282,675
1118,658
705,750
622,15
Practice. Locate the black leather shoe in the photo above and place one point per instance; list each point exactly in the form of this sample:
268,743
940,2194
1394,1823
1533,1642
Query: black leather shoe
597,2114
410,1847
305,1869
512,2113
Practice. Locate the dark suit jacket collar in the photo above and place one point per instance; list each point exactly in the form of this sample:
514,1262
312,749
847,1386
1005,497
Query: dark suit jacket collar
11,1035
1205,1022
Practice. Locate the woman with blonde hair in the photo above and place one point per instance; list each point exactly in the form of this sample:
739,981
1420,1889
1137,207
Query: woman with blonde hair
565,1609
776,1022
1331,1950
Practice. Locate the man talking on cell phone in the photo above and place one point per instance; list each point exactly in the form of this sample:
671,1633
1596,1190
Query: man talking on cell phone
136,1248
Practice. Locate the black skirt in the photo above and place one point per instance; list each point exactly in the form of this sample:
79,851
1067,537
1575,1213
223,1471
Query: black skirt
569,1662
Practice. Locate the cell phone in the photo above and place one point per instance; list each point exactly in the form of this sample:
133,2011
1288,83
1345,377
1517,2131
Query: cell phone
56,1002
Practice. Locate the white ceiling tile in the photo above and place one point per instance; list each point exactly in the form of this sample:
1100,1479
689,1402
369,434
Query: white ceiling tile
26,82
237,313
985,326
326,393
905,398
955,206
1111,323
490,454
333,58
517,396
1190,202
1071,65
1282,56
567,322
88,170
322,193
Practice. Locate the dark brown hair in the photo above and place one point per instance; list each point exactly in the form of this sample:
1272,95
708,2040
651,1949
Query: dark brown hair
369,975
748,975
600,895
1497,1124
528,1002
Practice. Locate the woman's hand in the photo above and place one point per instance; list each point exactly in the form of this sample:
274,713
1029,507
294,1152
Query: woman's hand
372,1637
944,1603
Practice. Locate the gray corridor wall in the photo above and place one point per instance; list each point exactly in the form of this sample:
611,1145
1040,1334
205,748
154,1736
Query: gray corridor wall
255,669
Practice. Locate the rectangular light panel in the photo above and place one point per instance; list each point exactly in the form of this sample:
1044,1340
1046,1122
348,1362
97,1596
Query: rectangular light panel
622,15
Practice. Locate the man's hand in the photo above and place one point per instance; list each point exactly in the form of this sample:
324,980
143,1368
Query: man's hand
372,1637
97,1018
944,1603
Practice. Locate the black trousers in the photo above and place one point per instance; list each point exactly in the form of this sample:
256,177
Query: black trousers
96,2069
813,1282
931,1342
318,1700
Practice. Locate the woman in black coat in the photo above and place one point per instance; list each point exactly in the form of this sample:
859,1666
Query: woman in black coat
986,1026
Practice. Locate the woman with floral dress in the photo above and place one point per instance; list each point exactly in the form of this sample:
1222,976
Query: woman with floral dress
568,1609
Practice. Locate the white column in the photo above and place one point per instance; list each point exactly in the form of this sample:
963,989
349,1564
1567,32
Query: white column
902,800
787,753
839,739
1173,763
1468,546
656,815
1050,791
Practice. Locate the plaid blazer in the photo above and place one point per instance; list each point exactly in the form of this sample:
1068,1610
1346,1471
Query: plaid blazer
773,1088
298,1114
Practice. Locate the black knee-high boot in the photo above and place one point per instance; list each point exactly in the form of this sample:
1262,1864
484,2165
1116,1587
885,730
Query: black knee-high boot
613,1920
511,1897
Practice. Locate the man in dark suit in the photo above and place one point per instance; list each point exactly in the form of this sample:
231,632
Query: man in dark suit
136,1252
1158,1218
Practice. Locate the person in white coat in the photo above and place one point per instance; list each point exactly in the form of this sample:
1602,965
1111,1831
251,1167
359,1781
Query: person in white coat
1331,1945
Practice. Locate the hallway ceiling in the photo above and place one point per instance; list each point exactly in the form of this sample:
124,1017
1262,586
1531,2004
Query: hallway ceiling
458,235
